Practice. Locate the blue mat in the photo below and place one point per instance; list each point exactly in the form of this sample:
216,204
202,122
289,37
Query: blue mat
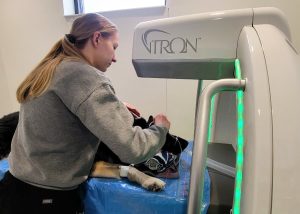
121,196
112,196
3,168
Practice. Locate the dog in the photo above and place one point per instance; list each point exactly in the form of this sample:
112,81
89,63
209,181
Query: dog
108,165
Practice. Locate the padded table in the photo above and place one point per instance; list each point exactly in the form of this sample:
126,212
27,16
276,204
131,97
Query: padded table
113,196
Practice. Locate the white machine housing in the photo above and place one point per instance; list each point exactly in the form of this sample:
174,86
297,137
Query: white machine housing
204,47
200,46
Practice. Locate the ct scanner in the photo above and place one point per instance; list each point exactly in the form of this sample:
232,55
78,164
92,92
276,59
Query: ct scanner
249,53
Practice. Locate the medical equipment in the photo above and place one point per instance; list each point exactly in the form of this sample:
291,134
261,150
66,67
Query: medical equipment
248,51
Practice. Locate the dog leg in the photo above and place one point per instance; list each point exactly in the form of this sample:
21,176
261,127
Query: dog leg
146,181
108,170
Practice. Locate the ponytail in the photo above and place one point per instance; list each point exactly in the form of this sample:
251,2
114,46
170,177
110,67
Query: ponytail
38,81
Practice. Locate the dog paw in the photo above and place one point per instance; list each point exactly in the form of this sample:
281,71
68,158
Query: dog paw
146,181
154,184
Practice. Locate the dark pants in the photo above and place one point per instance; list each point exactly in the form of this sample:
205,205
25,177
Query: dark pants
17,197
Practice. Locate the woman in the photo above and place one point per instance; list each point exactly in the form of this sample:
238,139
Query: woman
67,106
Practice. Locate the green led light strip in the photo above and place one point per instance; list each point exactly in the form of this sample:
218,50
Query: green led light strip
240,140
212,107
240,144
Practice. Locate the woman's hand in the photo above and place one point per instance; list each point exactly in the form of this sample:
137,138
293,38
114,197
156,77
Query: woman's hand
162,120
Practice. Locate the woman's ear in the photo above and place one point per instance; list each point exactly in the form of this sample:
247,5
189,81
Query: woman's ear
96,38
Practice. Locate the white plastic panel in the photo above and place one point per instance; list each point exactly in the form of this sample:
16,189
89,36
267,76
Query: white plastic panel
199,36
283,65
198,46
272,16
257,180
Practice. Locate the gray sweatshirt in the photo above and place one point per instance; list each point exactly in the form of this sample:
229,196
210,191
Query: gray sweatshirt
58,132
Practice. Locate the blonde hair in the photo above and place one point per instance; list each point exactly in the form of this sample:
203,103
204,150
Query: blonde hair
39,79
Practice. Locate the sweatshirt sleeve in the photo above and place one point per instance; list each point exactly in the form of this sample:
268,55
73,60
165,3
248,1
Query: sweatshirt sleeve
108,119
